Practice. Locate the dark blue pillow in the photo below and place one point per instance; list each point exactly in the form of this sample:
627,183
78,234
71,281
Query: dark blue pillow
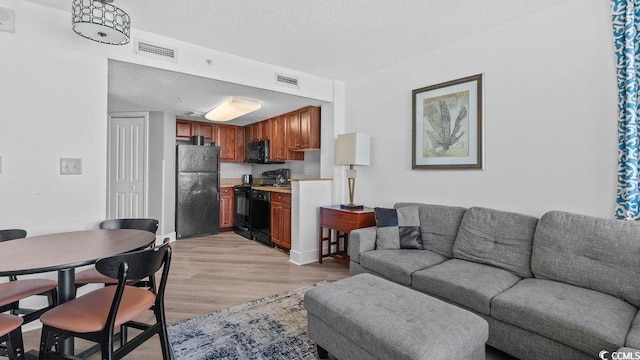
386,217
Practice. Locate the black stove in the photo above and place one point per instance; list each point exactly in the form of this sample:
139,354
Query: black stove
252,219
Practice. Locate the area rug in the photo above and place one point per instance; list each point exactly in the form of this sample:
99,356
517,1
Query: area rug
271,328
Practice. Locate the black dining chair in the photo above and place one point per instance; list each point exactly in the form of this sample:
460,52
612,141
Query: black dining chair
11,334
91,275
14,290
94,316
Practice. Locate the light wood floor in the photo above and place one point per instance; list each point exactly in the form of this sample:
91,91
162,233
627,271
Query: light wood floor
215,272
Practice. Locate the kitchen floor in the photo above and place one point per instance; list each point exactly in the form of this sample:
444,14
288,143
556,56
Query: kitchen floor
215,272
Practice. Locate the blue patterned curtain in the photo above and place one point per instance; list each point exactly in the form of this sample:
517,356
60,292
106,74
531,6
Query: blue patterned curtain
626,17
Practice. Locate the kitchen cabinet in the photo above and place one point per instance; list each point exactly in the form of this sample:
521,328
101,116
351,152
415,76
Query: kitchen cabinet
277,143
184,129
292,128
258,131
227,210
281,220
229,138
205,130
303,129
289,134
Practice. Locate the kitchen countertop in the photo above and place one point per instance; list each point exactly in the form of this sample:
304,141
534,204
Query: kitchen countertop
280,189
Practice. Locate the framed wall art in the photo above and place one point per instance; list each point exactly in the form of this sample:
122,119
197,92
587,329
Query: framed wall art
447,125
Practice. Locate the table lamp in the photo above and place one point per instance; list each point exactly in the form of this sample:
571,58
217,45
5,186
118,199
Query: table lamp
352,149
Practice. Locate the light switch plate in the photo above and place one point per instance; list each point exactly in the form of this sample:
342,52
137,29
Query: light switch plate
70,166
7,20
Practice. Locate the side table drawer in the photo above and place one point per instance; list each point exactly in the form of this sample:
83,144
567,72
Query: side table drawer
338,220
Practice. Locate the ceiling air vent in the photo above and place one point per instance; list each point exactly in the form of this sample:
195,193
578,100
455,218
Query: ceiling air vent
156,51
286,80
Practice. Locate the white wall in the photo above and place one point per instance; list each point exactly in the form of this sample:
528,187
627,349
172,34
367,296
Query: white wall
550,117
53,104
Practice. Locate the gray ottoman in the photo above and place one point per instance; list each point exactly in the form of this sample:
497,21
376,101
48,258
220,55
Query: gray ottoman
366,317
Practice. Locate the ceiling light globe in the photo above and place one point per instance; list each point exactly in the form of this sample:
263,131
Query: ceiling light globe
101,22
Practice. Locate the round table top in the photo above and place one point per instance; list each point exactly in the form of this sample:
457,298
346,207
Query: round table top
60,251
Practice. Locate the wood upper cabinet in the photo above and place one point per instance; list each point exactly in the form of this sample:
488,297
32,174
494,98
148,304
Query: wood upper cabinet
204,129
258,131
292,135
289,134
229,138
264,130
277,139
227,210
281,220
303,129
293,130
184,129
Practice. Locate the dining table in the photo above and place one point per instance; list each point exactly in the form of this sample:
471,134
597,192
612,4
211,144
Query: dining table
63,252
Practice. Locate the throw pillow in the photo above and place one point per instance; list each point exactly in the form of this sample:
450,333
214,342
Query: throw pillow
398,228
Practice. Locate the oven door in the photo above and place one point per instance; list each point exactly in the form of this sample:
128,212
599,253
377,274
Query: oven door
241,220
260,217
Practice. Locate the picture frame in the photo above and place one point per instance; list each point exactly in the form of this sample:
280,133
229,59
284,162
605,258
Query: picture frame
448,124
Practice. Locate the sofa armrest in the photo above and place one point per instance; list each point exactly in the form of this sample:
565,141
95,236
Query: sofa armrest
361,240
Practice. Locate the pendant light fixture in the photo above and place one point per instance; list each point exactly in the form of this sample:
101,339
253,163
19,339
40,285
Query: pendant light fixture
100,21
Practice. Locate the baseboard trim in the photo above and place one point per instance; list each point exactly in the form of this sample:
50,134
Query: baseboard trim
303,257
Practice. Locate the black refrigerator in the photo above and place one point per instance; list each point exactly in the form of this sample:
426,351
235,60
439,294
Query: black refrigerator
197,190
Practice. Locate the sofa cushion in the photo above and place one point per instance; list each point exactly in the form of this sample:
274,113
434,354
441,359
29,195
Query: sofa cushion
438,226
497,238
398,265
465,283
584,319
398,228
589,252
633,337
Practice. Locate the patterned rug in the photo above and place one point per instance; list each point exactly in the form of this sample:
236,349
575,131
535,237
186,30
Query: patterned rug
271,328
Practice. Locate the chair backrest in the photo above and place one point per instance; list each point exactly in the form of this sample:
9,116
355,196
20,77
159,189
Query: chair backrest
136,265
12,234
150,225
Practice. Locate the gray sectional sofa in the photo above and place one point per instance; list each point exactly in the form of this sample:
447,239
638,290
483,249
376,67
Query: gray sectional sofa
565,286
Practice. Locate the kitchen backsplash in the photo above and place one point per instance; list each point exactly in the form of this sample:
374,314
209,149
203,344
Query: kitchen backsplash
309,168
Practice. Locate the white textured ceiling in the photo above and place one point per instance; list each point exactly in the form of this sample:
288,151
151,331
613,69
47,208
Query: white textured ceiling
336,39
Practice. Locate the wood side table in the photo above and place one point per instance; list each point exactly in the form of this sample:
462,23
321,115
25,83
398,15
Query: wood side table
342,221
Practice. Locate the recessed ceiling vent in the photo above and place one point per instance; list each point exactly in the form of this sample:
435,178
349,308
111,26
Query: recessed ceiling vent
286,80
156,51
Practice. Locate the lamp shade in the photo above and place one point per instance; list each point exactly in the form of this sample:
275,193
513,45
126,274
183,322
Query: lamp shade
231,108
353,149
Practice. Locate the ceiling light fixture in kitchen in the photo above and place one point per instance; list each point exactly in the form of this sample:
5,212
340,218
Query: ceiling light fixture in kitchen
100,21
233,107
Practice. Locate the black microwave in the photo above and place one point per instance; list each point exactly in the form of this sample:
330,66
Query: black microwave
258,153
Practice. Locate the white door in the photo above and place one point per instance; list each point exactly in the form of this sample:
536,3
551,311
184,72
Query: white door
127,149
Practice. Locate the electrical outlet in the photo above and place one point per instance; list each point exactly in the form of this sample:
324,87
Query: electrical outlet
70,166
7,20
